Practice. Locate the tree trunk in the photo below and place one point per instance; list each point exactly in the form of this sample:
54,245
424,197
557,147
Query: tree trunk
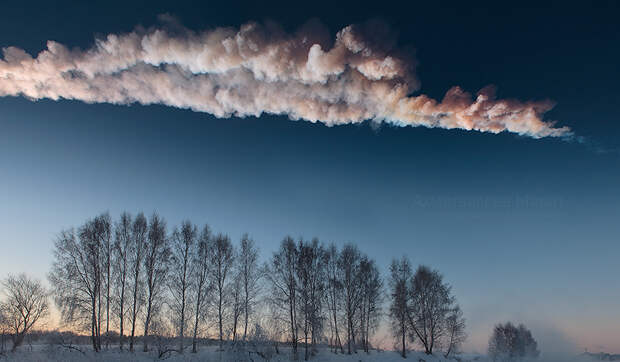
195,337
93,324
107,315
220,318
122,316
18,339
404,353
245,307
146,325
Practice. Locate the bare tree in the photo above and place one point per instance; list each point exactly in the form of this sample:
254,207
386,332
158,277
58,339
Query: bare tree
318,290
250,277
139,235
77,279
201,279
236,302
180,272
4,327
123,244
430,301
371,298
156,270
102,230
310,275
400,274
25,303
455,331
281,273
221,263
348,268
334,294
510,343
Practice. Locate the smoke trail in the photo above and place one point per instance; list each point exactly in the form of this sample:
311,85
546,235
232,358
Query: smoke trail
261,69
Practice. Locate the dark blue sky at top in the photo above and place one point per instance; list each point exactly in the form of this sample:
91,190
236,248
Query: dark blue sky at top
522,228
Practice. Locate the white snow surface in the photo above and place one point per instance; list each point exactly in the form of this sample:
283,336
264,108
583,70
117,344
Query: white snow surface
41,353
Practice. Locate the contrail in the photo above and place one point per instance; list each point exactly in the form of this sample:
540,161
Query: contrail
259,68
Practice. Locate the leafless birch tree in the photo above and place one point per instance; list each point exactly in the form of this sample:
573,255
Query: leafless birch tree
123,244
334,295
455,331
202,259
25,303
282,278
137,254
180,272
348,269
221,264
371,287
429,302
156,270
400,274
250,278
76,280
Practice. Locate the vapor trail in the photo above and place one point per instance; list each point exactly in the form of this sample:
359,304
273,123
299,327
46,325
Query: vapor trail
259,68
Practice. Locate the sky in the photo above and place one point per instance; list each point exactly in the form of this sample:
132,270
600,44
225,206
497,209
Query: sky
524,229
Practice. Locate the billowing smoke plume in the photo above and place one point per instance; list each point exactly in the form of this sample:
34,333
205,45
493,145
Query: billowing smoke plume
261,69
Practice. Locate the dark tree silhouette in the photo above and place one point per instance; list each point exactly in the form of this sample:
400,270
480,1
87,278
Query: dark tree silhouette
139,235
123,244
510,343
24,305
400,274
156,270
282,275
78,279
222,259
180,272
201,280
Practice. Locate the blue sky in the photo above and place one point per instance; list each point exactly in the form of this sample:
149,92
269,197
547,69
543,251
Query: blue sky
524,229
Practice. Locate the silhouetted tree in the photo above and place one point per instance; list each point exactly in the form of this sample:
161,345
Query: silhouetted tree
102,230
429,303
349,275
310,273
317,264
250,277
455,331
371,297
400,274
25,303
236,302
123,246
180,272
137,255
202,264
156,270
282,276
510,343
221,264
334,294
77,279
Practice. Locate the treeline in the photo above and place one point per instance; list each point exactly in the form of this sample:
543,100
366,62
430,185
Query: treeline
120,280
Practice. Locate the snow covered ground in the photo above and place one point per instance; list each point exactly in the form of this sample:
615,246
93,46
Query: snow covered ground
211,353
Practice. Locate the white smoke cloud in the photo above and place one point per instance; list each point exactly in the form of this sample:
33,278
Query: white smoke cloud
259,68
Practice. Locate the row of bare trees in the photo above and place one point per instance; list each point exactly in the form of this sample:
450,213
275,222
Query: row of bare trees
139,280
134,274
423,309
314,287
